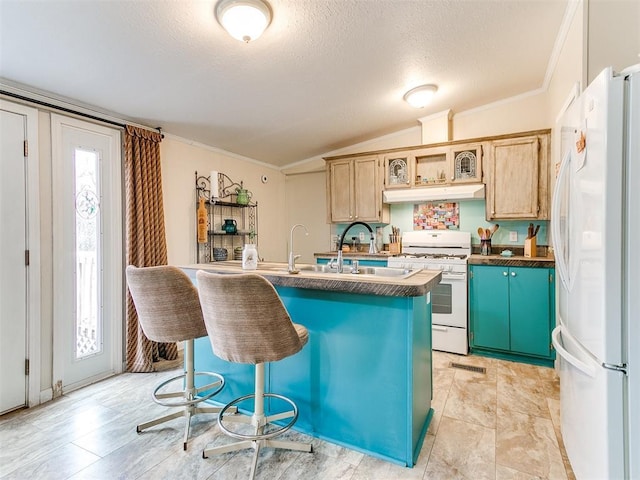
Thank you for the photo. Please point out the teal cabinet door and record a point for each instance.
(489, 307)
(530, 310)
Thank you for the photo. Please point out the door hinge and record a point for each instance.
(26, 258)
(550, 278)
(471, 336)
(26, 366)
(471, 274)
(551, 349)
(26, 148)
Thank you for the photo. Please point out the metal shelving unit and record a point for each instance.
(220, 209)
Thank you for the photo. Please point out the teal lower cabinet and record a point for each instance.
(512, 312)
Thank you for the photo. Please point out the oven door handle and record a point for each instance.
(438, 328)
(454, 276)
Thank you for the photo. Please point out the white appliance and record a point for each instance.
(596, 233)
(448, 251)
(415, 195)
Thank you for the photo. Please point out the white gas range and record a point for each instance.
(448, 251)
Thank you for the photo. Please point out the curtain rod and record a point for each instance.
(69, 110)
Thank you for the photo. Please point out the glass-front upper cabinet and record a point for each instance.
(397, 170)
(466, 163)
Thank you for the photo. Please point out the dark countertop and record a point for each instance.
(515, 261)
(415, 285)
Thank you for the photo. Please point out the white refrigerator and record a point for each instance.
(596, 236)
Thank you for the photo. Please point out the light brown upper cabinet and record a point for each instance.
(466, 163)
(397, 170)
(354, 190)
(517, 178)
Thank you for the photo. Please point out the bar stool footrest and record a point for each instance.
(257, 436)
(188, 397)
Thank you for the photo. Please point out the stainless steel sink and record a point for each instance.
(373, 271)
(347, 270)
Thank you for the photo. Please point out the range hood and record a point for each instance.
(430, 194)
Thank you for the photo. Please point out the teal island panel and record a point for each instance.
(364, 380)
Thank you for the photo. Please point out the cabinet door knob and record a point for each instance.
(505, 273)
(513, 274)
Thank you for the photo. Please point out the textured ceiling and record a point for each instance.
(325, 74)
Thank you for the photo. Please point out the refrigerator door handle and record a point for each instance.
(559, 246)
(557, 344)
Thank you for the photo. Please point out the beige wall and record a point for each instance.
(180, 160)
(518, 114)
(613, 35)
(307, 204)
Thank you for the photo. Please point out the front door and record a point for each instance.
(87, 269)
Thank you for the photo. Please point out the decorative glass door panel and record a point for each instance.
(88, 320)
(397, 170)
(467, 164)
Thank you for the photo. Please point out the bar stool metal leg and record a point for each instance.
(187, 398)
(259, 421)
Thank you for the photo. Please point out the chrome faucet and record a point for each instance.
(372, 243)
(292, 258)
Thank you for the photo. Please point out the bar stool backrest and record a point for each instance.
(167, 303)
(246, 319)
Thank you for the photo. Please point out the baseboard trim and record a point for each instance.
(45, 396)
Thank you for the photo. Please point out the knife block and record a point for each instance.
(530, 247)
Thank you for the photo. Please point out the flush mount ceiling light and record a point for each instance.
(420, 96)
(245, 20)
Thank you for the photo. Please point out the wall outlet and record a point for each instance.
(361, 236)
(513, 236)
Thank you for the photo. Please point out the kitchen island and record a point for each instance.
(364, 380)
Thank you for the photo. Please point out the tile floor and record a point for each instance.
(502, 424)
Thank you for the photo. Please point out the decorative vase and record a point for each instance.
(243, 196)
(230, 226)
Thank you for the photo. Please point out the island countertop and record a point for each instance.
(414, 285)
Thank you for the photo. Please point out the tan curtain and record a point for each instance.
(145, 236)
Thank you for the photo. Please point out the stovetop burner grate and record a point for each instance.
(440, 255)
(436, 256)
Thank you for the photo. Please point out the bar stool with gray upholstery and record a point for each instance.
(169, 311)
(248, 323)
